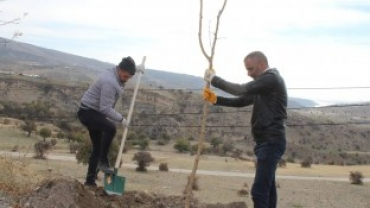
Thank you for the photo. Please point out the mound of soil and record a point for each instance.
(69, 193)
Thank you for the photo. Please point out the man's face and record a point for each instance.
(254, 67)
(124, 76)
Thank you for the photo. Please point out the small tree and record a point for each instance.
(41, 149)
(143, 160)
(356, 177)
(182, 145)
(45, 133)
(28, 127)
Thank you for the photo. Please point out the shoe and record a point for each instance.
(91, 184)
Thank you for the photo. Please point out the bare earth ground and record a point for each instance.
(164, 189)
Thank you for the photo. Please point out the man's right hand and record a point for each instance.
(124, 122)
(209, 74)
(209, 96)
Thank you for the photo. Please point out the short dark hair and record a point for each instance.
(128, 64)
(257, 55)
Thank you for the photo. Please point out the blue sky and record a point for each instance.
(317, 43)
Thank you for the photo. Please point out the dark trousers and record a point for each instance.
(102, 132)
(263, 191)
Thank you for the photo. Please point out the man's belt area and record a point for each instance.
(85, 107)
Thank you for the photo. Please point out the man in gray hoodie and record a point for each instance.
(97, 114)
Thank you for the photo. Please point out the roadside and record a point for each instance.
(200, 172)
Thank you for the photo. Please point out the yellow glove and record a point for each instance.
(209, 96)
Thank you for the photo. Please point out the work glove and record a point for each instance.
(124, 122)
(140, 68)
(209, 74)
(209, 96)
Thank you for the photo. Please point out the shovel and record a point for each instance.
(114, 184)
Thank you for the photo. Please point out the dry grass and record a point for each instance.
(10, 137)
(225, 189)
(185, 161)
(15, 176)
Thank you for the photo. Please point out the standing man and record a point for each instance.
(97, 114)
(268, 95)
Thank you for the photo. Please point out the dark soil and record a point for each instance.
(69, 193)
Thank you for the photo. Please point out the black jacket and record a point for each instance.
(268, 95)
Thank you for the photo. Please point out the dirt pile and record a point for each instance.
(69, 193)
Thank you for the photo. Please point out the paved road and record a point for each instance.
(200, 172)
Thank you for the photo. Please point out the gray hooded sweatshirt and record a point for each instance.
(103, 94)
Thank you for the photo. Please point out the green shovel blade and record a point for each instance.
(114, 184)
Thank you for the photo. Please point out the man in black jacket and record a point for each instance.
(267, 93)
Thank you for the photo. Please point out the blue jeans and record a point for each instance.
(263, 191)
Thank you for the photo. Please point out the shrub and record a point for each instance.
(74, 147)
(228, 146)
(249, 153)
(60, 135)
(237, 153)
(356, 177)
(216, 141)
(6, 121)
(306, 163)
(290, 160)
(53, 142)
(182, 145)
(282, 163)
(162, 142)
(15, 148)
(41, 149)
(143, 160)
(243, 192)
(163, 167)
(142, 143)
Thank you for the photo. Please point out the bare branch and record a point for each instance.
(14, 21)
(216, 34)
(200, 32)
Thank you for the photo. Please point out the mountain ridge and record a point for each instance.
(27, 58)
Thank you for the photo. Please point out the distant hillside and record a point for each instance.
(173, 80)
(25, 58)
(299, 103)
(16, 52)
